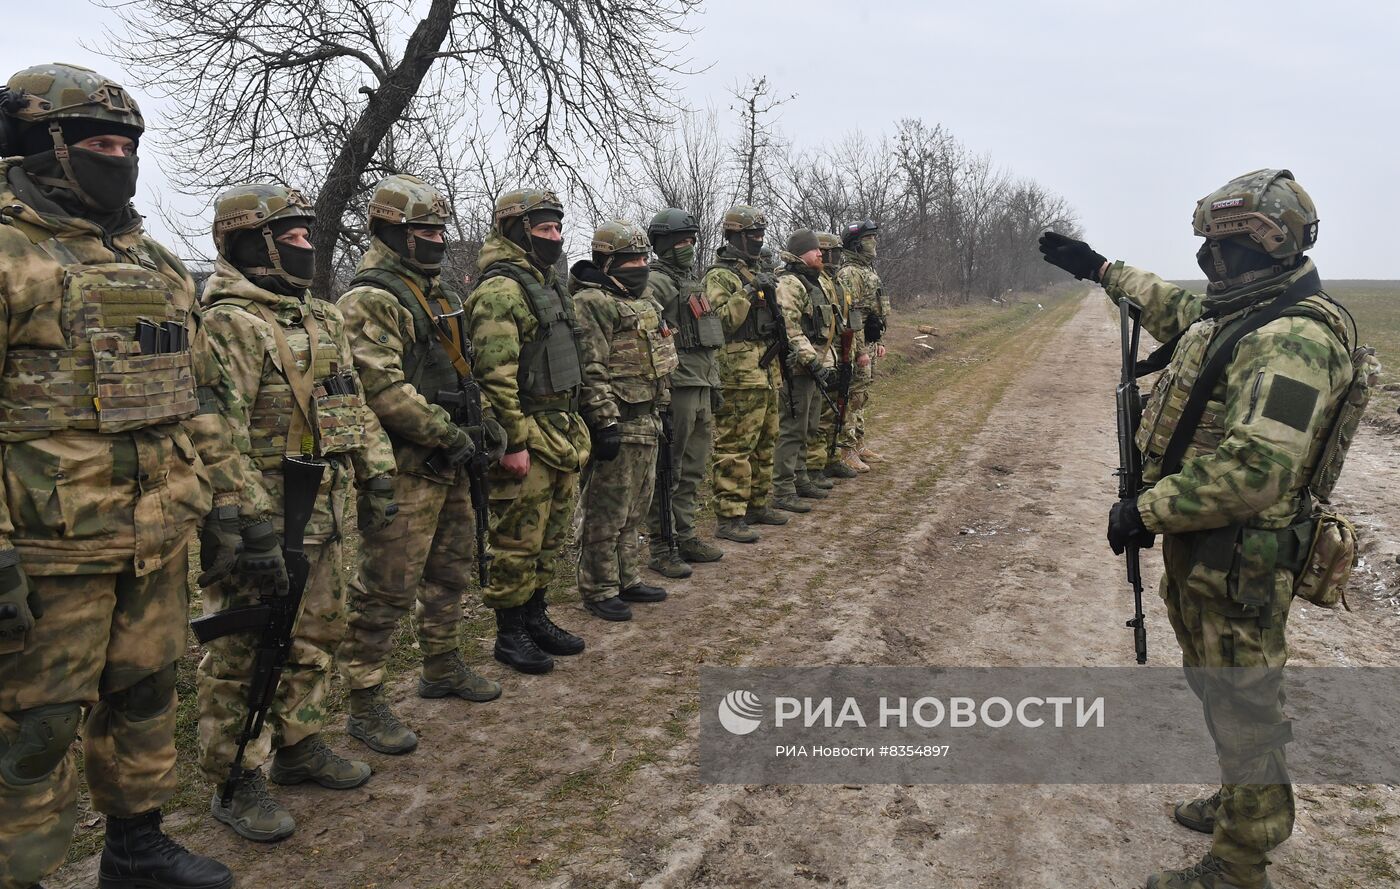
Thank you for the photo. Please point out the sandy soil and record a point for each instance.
(980, 552)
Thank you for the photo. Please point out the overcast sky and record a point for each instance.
(1131, 110)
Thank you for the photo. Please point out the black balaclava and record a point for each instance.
(248, 252)
(632, 280)
(542, 252)
(681, 257)
(747, 243)
(100, 186)
(1231, 263)
(419, 254)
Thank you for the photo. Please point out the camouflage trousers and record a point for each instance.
(691, 421)
(746, 435)
(107, 642)
(799, 419)
(615, 500)
(1243, 707)
(529, 519)
(820, 439)
(859, 400)
(299, 709)
(424, 560)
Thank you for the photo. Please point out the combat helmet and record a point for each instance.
(854, 232)
(48, 95)
(264, 208)
(618, 240)
(1266, 208)
(743, 218)
(672, 221)
(831, 249)
(524, 201)
(402, 199)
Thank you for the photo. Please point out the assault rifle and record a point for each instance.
(275, 615)
(845, 372)
(464, 406)
(780, 348)
(1129, 473)
(666, 481)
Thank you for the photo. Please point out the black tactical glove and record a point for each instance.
(825, 377)
(261, 561)
(374, 504)
(874, 327)
(716, 399)
(607, 442)
(1075, 257)
(19, 602)
(459, 451)
(1125, 528)
(220, 542)
(494, 437)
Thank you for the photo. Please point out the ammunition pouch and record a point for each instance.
(551, 369)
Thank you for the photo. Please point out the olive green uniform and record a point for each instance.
(811, 322)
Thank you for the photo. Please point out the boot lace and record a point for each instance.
(254, 791)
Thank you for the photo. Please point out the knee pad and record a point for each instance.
(45, 733)
(148, 698)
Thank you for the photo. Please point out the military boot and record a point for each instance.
(818, 479)
(852, 460)
(373, 722)
(642, 592)
(867, 455)
(735, 529)
(612, 608)
(809, 491)
(514, 647)
(137, 855)
(446, 674)
(838, 469)
(669, 564)
(253, 813)
(310, 759)
(790, 503)
(695, 550)
(548, 635)
(765, 515)
(1213, 873)
(1199, 814)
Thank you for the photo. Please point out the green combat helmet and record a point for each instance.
(671, 222)
(1263, 212)
(265, 209)
(401, 199)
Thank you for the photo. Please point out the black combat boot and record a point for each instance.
(138, 856)
(612, 608)
(642, 592)
(514, 647)
(548, 635)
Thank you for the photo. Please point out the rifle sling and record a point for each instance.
(450, 344)
(1221, 351)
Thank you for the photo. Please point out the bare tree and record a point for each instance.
(328, 91)
(758, 144)
(688, 168)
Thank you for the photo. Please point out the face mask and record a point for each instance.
(866, 247)
(421, 255)
(546, 252)
(1229, 264)
(683, 256)
(110, 182)
(753, 245)
(248, 253)
(632, 279)
(298, 262)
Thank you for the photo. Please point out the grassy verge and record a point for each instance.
(1376, 307)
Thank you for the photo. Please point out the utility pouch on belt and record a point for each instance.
(1330, 558)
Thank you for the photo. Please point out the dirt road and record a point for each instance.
(979, 542)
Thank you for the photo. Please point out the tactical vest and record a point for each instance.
(818, 322)
(640, 355)
(551, 368)
(1173, 388)
(760, 324)
(697, 324)
(337, 403)
(426, 365)
(103, 379)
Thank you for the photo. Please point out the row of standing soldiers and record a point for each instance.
(133, 416)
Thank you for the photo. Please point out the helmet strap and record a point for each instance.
(69, 180)
(275, 258)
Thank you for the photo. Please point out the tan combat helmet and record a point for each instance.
(743, 218)
(830, 246)
(1266, 208)
(618, 240)
(256, 207)
(402, 199)
(522, 201)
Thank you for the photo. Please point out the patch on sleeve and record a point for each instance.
(1291, 403)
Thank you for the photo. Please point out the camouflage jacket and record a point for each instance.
(1266, 421)
(250, 371)
(737, 360)
(861, 285)
(798, 311)
(499, 321)
(76, 501)
(381, 333)
(667, 283)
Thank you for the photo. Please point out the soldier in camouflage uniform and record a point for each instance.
(694, 388)
(628, 356)
(101, 496)
(869, 315)
(822, 466)
(1235, 509)
(521, 322)
(406, 331)
(287, 386)
(811, 323)
(740, 289)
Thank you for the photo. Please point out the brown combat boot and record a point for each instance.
(851, 460)
(447, 674)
